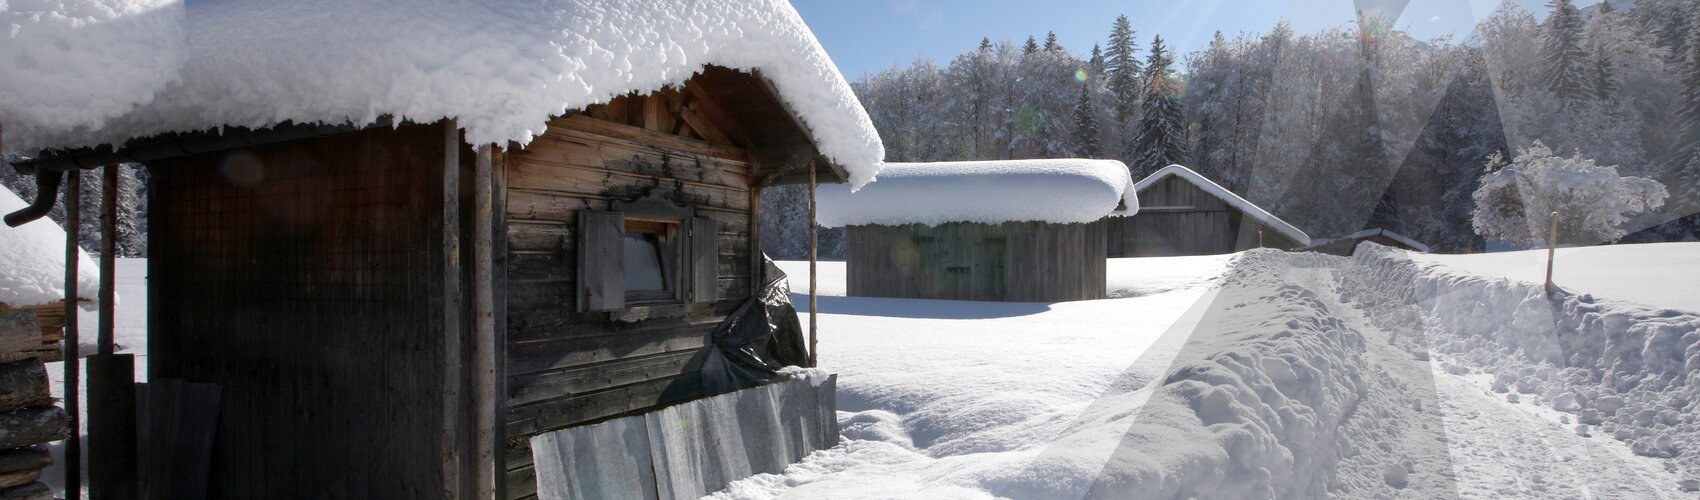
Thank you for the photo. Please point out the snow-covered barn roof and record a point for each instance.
(1058, 191)
(1234, 200)
(1367, 233)
(32, 261)
(92, 72)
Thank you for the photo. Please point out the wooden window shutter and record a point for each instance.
(705, 260)
(601, 275)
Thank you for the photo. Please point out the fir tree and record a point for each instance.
(1605, 79)
(1565, 61)
(1096, 64)
(1161, 139)
(1085, 137)
(1605, 8)
(1031, 47)
(1051, 44)
(985, 44)
(1121, 65)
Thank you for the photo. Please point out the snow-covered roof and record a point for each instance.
(1234, 200)
(32, 261)
(1059, 191)
(1407, 241)
(90, 72)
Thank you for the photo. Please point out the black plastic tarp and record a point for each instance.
(760, 337)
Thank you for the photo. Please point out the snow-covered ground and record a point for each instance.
(1268, 374)
(1659, 274)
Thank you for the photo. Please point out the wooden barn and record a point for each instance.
(1184, 213)
(394, 308)
(1017, 231)
(1348, 244)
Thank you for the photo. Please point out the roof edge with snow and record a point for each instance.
(1062, 191)
(1234, 200)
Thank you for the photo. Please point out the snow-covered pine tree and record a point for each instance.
(1051, 44)
(985, 43)
(1095, 65)
(1562, 54)
(1031, 47)
(1121, 65)
(1085, 134)
(1161, 134)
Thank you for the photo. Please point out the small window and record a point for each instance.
(648, 260)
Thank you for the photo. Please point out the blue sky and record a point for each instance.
(864, 36)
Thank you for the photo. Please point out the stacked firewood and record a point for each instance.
(28, 417)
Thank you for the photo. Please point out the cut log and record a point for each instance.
(19, 478)
(31, 491)
(19, 331)
(34, 425)
(23, 383)
(34, 457)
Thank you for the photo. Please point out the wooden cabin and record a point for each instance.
(1184, 213)
(1348, 244)
(330, 281)
(1016, 231)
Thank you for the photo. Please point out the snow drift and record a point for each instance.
(1631, 370)
(501, 69)
(991, 192)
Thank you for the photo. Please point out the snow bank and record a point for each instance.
(1209, 186)
(72, 65)
(32, 261)
(1631, 370)
(1663, 275)
(991, 192)
(500, 68)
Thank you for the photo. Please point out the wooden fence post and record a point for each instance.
(814, 244)
(1552, 245)
(73, 377)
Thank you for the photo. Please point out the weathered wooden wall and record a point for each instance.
(1177, 218)
(305, 278)
(1012, 261)
(567, 367)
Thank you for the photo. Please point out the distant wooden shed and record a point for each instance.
(1346, 245)
(1184, 213)
(1020, 231)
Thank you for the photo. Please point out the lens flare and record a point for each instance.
(1080, 75)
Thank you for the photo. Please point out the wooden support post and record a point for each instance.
(757, 265)
(73, 376)
(454, 328)
(814, 244)
(1552, 249)
(111, 376)
(484, 326)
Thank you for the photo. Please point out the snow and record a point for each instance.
(1259, 375)
(32, 261)
(1232, 199)
(1058, 191)
(72, 65)
(1664, 275)
(500, 69)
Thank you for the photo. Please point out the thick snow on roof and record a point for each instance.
(32, 261)
(71, 65)
(1059, 191)
(1268, 219)
(501, 68)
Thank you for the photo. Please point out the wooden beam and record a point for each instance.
(717, 114)
(814, 244)
(111, 377)
(73, 376)
(454, 329)
(484, 326)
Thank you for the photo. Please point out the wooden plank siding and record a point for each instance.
(306, 278)
(1012, 261)
(1178, 218)
(566, 367)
